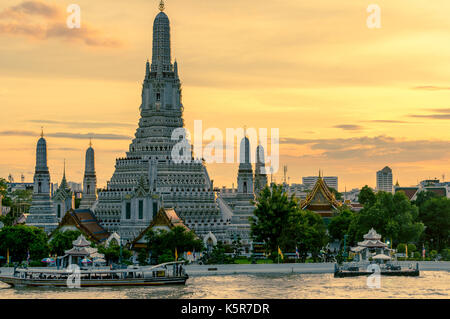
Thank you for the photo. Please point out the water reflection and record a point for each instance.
(430, 284)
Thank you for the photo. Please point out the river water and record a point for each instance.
(430, 284)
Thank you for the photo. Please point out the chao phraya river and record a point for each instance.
(434, 283)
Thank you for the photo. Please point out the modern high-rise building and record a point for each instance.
(384, 180)
(310, 181)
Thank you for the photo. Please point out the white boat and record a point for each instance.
(170, 273)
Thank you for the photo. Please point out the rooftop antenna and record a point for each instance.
(22, 178)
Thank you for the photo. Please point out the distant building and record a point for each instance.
(310, 181)
(19, 186)
(75, 187)
(384, 180)
(300, 191)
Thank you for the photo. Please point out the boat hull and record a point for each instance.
(13, 281)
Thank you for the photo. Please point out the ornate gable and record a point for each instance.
(320, 198)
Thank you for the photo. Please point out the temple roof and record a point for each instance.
(372, 235)
(165, 217)
(411, 192)
(81, 242)
(320, 198)
(86, 222)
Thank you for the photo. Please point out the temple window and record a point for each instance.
(128, 210)
(141, 209)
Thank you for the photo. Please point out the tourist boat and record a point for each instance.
(132, 276)
(363, 269)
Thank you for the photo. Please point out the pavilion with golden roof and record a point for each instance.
(321, 200)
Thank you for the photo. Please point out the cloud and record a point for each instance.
(18, 133)
(85, 124)
(431, 88)
(30, 8)
(386, 121)
(68, 135)
(369, 149)
(44, 21)
(442, 110)
(349, 127)
(433, 116)
(443, 114)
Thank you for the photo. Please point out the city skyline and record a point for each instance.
(347, 114)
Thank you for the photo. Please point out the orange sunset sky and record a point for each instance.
(347, 99)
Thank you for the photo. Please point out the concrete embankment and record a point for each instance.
(309, 268)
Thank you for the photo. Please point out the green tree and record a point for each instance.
(20, 239)
(366, 196)
(142, 256)
(6, 200)
(62, 241)
(161, 241)
(392, 216)
(112, 252)
(423, 197)
(306, 231)
(217, 255)
(435, 214)
(340, 224)
(271, 215)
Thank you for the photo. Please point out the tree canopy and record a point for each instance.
(392, 216)
(20, 239)
(161, 242)
(279, 222)
(435, 214)
(273, 208)
(62, 241)
(339, 224)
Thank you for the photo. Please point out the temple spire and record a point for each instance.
(42, 131)
(161, 6)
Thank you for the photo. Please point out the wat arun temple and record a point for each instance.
(148, 178)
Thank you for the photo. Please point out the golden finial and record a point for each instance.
(90, 142)
(161, 6)
(42, 131)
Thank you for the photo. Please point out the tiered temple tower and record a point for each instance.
(89, 196)
(64, 198)
(41, 212)
(148, 177)
(260, 171)
(241, 202)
